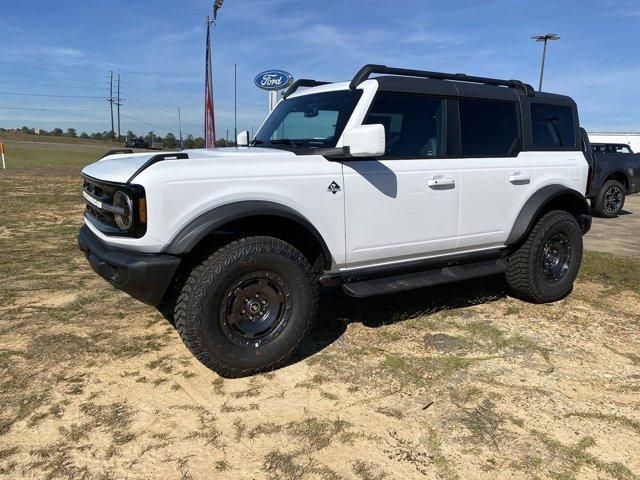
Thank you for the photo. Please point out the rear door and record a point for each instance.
(496, 177)
(405, 204)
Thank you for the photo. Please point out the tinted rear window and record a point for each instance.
(553, 126)
(489, 128)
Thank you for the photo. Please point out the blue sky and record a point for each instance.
(158, 48)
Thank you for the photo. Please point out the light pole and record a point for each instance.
(545, 39)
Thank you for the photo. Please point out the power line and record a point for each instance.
(49, 85)
(146, 123)
(49, 95)
(67, 79)
(52, 109)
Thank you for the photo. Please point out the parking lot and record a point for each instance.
(455, 382)
(620, 236)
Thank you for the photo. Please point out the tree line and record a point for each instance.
(169, 141)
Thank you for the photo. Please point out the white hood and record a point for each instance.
(120, 168)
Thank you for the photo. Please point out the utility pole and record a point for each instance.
(111, 104)
(180, 130)
(235, 99)
(544, 39)
(118, 104)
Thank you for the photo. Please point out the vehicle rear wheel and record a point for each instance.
(545, 266)
(247, 307)
(610, 200)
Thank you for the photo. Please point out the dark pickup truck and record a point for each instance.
(614, 174)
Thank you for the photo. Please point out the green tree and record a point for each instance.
(84, 135)
(57, 132)
(170, 141)
(71, 133)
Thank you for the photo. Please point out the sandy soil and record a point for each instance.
(456, 382)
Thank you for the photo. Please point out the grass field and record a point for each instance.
(455, 382)
(24, 151)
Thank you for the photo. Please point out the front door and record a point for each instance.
(405, 205)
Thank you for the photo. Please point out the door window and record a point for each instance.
(489, 128)
(414, 125)
(553, 126)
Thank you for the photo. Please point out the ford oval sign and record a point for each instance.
(273, 80)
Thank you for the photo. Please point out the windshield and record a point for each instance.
(309, 121)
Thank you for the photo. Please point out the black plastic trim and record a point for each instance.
(206, 223)
(536, 203)
(416, 266)
(144, 276)
(429, 278)
(117, 151)
(303, 82)
(158, 158)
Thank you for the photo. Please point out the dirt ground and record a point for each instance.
(619, 235)
(457, 382)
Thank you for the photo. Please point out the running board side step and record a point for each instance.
(411, 281)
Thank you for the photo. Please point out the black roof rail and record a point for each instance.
(303, 82)
(366, 71)
(116, 151)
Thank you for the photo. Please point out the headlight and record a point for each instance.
(124, 220)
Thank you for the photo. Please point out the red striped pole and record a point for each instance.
(4, 167)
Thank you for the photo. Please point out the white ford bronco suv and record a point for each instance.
(387, 183)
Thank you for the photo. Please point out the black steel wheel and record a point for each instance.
(248, 306)
(610, 200)
(556, 257)
(257, 309)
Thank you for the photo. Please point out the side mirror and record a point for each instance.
(243, 139)
(365, 141)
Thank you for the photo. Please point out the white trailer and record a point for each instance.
(628, 138)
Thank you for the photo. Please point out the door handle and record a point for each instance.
(519, 177)
(441, 182)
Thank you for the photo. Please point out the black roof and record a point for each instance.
(404, 80)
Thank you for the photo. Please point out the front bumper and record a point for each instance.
(144, 276)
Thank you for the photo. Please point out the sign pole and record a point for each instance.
(4, 167)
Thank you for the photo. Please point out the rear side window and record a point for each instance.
(553, 126)
(489, 128)
(414, 125)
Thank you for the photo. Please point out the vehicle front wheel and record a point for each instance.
(247, 307)
(545, 266)
(610, 200)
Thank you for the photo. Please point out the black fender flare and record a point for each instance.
(619, 171)
(536, 204)
(206, 223)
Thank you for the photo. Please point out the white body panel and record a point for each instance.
(392, 212)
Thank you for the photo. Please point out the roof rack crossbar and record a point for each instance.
(303, 82)
(366, 71)
(116, 151)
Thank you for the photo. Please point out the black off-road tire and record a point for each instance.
(529, 277)
(211, 291)
(610, 199)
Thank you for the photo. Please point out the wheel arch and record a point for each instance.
(551, 197)
(620, 176)
(255, 217)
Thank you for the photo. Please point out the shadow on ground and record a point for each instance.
(338, 310)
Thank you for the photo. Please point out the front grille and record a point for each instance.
(100, 210)
(103, 193)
